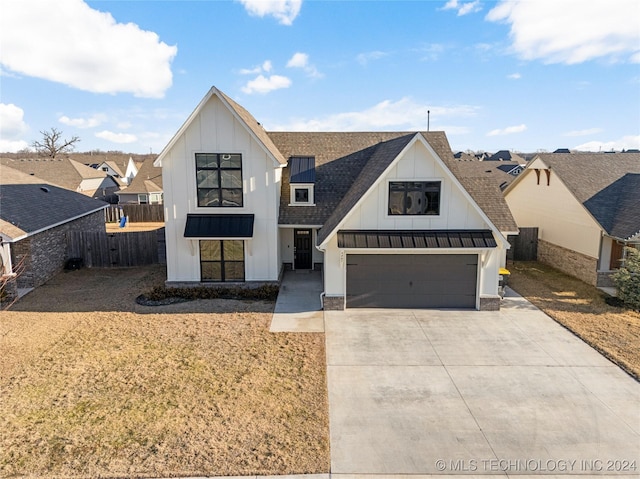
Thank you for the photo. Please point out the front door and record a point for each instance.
(302, 249)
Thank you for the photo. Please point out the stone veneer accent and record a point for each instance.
(490, 303)
(334, 303)
(43, 255)
(575, 264)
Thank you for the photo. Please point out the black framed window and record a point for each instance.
(219, 179)
(414, 198)
(302, 195)
(221, 261)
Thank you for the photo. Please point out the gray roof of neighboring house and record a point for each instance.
(505, 155)
(30, 204)
(492, 171)
(148, 180)
(64, 172)
(345, 170)
(607, 184)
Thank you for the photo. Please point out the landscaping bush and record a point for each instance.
(627, 279)
(162, 294)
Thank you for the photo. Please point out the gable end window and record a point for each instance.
(219, 179)
(414, 198)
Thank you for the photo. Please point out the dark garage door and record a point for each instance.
(411, 281)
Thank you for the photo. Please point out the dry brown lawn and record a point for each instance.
(95, 385)
(581, 308)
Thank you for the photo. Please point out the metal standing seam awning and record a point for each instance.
(219, 226)
(417, 239)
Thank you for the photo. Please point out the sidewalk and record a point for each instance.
(298, 307)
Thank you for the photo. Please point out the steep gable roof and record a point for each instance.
(255, 129)
(30, 204)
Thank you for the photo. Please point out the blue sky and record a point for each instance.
(521, 75)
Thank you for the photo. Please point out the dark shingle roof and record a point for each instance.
(342, 157)
(27, 206)
(606, 184)
(378, 158)
(617, 207)
(505, 155)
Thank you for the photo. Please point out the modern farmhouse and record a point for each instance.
(386, 216)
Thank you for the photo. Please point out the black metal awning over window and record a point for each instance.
(416, 239)
(219, 226)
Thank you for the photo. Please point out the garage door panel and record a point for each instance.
(411, 281)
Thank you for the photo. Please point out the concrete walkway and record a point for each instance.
(298, 307)
(468, 392)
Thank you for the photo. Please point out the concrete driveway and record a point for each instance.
(466, 392)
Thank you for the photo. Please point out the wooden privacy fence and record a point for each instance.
(135, 213)
(524, 247)
(98, 249)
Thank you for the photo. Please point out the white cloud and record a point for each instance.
(285, 11)
(262, 84)
(301, 60)
(90, 122)
(266, 67)
(571, 31)
(117, 137)
(298, 60)
(624, 143)
(364, 58)
(463, 7)
(589, 131)
(514, 76)
(12, 128)
(404, 114)
(510, 130)
(92, 53)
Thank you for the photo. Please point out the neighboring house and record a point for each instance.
(462, 156)
(124, 172)
(501, 173)
(383, 214)
(505, 155)
(586, 206)
(67, 173)
(511, 167)
(35, 217)
(145, 188)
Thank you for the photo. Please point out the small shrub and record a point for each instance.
(267, 292)
(627, 279)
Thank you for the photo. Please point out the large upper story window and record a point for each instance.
(219, 178)
(414, 198)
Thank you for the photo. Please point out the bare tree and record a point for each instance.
(52, 143)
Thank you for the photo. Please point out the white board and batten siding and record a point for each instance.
(456, 212)
(215, 129)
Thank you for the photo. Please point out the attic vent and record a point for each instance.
(45, 189)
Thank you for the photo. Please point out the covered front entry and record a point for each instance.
(411, 280)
